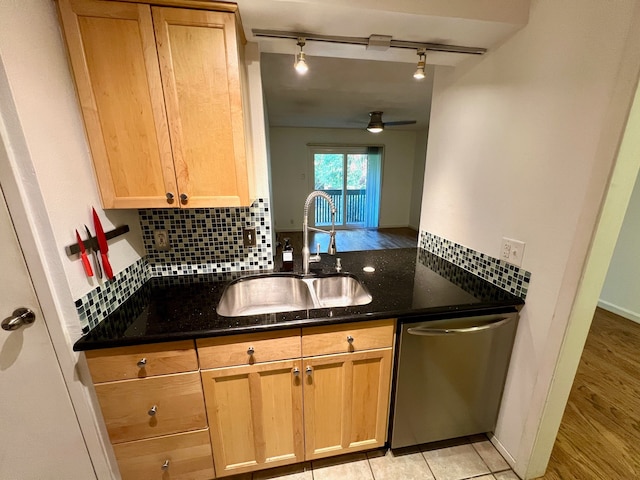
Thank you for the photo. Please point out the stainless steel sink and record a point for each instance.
(265, 294)
(339, 291)
(286, 293)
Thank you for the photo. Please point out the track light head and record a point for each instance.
(422, 60)
(301, 62)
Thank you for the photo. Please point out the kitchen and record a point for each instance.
(523, 84)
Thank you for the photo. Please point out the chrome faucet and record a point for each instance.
(306, 255)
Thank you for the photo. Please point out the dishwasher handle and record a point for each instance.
(427, 331)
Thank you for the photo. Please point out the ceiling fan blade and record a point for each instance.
(400, 122)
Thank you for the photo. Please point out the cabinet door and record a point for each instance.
(255, 416)
(198, 55)
(346, 402)
(115, 65)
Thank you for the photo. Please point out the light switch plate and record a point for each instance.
(249, 237)
(512, 251)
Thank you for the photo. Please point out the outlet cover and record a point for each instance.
(161, 240)
(512, 251)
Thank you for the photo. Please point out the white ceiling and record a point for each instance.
(345, 82)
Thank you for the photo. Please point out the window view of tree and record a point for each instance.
(343, 176)
(329, 172)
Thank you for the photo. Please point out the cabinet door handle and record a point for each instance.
(349, 339)
(142, 363)
(250, 351)
(296, 371)
(153, 410)
(309, 370)
(170, 197)
(165, 465)
(184, 198)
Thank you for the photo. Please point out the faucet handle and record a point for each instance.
(338, 265)
(318, 249)
(332, 243)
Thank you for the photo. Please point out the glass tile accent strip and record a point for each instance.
(508, 277)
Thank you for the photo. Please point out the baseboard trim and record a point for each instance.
(623, 312)
(503, 451)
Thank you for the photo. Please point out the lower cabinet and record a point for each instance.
(255, 415)
(341, 374)
(346, 402)
(241, 403)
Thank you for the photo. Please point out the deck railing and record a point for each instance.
(355, 207)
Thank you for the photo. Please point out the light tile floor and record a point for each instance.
(461, 459)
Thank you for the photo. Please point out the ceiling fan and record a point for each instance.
(376, 125)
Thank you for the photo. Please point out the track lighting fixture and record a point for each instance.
(422, 58)
(301, 63)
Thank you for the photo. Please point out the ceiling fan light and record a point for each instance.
(375, 123)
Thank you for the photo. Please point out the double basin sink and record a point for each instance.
(272, 293)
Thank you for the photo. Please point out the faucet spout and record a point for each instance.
(306, 255)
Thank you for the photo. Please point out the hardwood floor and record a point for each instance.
(355, 239)
(599, 437)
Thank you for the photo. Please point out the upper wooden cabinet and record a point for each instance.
(161, 98)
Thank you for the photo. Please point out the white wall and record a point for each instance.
(520, 145)
(418, 176)
(292, 172)
(620, 291)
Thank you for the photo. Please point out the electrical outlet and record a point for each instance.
(249, 237)
(161, 240)
(512, 251)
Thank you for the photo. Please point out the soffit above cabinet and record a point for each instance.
(460, 22)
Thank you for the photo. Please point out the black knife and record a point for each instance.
(96, 262)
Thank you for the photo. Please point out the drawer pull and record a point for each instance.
(349, 339)
(153, 410)
(296, 371)
(309, 370)
(142, 363)
(251, 351)
(165, 465)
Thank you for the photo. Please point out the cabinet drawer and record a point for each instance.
(248, 349)
(350, 337)
(140, 361)
(180, 456)
(128, 406)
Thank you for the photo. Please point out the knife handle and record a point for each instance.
(86, 264)
(106, 265)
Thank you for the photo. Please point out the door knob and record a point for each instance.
(184, 198)
(19, 317)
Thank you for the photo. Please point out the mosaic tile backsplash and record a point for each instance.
(208, 240)
(105, 298)
(509, 277)
(203, 240)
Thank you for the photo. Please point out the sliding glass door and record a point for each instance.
(351, 177)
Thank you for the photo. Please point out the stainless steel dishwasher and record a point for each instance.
(450, 377)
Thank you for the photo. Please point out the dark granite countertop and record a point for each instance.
(407, 282)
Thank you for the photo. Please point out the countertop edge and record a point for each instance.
(401, 315)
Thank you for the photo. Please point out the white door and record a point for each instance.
(40, 438)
